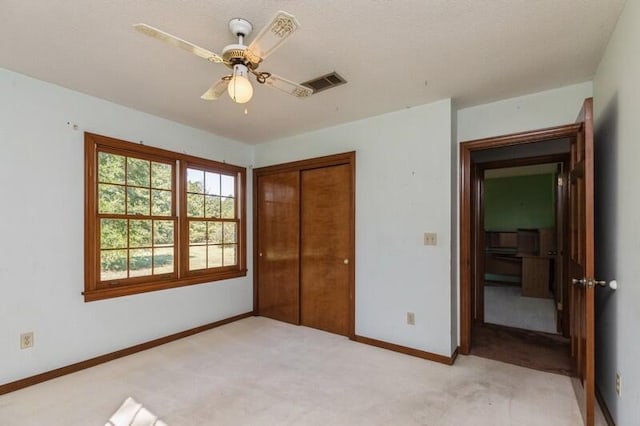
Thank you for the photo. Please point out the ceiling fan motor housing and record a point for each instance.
(234, 54)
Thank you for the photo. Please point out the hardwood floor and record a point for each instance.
(532, 349)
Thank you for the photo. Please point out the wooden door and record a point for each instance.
(326, 248)
(278, 246)
(581, 260)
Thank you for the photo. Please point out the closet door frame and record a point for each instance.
(347, 158)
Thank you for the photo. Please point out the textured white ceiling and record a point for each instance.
(393, 53)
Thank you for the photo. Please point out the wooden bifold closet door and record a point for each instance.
(304, 243)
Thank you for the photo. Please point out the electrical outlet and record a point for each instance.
(411, 318)
(430, 239)
(26, 340)
(618, 384)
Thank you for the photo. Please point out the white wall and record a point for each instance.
(530, 112)
(41, 229)
(617, 114)
(403, 190)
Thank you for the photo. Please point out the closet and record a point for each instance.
(304, 242)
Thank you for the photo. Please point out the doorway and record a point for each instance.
(519, 297)
(514, 304)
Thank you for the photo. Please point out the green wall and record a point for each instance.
(519, 202)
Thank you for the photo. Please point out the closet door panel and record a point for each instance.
(325, 248)
(279, 246)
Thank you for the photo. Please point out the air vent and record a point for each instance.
(325, 82)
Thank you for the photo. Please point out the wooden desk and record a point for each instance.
(535, 276)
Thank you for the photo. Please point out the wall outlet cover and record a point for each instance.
(430, 239)
(411, 318)
(26, 340)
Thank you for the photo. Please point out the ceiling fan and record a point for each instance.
(242, 59)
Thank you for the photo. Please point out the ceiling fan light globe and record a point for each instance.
(240, 89)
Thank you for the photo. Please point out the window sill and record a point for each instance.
(126, 290)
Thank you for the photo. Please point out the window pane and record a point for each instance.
(197, 232)
(229, 233)
(113, 233)
(110, 199)
(110, 168)
(113, 264)
(138, 201)
(212, 206)
(228, 208)
(229, 254)
(139, 262)
(163, 260)
(160, 175)
(140, 233)
(197, 257)
(228, 186)
(138, 172)
(215, 256)
(195, 205)
(163, 232)
(215, 233)
(213, 183)
(195, 181)
(160, 203)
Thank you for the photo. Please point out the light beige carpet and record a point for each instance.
(505, 305)
(263, 372)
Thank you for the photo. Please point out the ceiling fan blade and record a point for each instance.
(216, 90)
(273, 34)
(288, 86)
(178, 42)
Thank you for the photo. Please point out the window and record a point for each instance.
(212, 223)
(156, 219)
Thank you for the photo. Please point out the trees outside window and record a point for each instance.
(211, 216)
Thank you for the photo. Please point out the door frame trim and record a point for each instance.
(346, 158)
(467, 209)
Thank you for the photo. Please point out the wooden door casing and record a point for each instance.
(325, 248)
(278, 246)
(467, 255)
(562, 287)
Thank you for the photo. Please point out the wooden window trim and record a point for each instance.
(180, 277)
